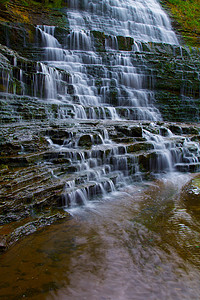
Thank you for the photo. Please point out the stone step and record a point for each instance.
(80, 194)
(192, 167)
(41, 173)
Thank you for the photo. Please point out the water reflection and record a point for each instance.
(141, 243)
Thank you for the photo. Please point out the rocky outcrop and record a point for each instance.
(190, 196)
(41, 163)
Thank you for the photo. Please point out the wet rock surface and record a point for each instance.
(171, 71)
(191, 196)
(40, 161)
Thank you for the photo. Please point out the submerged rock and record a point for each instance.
(191, 196)
(85, 141)
(29, 227)
(3, 243)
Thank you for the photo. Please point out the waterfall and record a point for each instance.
(110, 84)
(144, 20)
(94, 71)
(118, 86)
(123, 91)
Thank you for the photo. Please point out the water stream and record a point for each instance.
(142, 243)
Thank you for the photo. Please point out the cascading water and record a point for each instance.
(144, 20)
(113, 85)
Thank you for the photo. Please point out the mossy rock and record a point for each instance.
(125, 43)
(129, 131)
(164, 131)
(85, 141)
(144, 162)
(97, 139)
(99, 40)
(136, 131)
(190, 130)
(139, 147)
(175, 129)
(190, 196)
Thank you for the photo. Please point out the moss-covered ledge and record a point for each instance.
(190, 196)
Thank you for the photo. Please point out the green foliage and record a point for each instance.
(187, 14)
(37, 3)
(47, 3)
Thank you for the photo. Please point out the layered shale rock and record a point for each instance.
(44, 166)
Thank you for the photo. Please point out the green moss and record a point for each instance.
(36, 3)
(187, 15)
(99, 40)
(3, 167)
(125, 43)
(139, 147)
(196, 182)
(33, 12)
